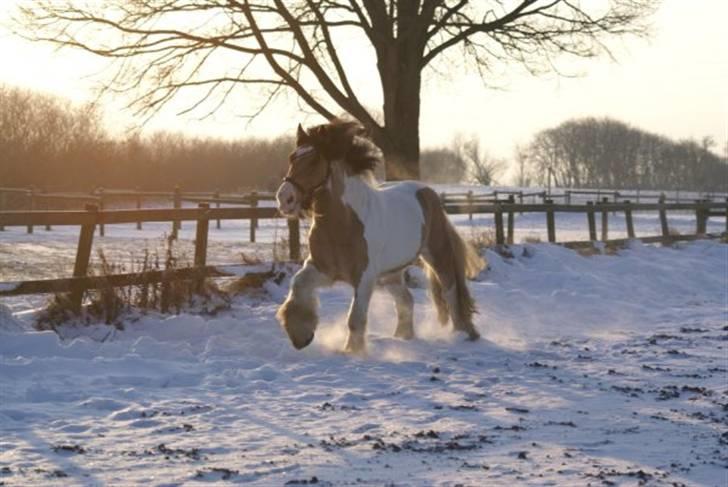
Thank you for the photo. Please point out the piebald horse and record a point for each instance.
(366, 236)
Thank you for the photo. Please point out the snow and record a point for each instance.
(609, 368)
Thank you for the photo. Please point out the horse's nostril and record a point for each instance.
(290, 200)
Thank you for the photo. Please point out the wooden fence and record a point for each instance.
(503, 212)
(92, 217)
(504, 231)
(32, 199)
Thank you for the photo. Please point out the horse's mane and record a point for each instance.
(347, 142)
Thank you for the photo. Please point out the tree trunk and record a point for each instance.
(401, 82)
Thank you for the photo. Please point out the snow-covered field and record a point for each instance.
(602, 370)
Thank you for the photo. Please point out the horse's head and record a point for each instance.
(311, 165)
(308, 172)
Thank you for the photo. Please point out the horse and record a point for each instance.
(367, 235)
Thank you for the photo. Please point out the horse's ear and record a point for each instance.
(301, 136)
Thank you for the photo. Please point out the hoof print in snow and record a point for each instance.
(631, 391)
(569, 424)
(516, 410)
(312, 481)
(327, 406)
(522, 455)
(192, 453)
(539, 365)
(464, 407)
(474, 466)
(668, 392)
(78, 449)
(215, 473)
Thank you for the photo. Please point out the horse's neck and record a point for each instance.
(333, 207)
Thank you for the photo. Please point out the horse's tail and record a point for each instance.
(449, 262)
(468, 265)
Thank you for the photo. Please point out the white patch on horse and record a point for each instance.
(392, 219)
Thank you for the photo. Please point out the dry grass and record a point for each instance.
(110, 304)
(481, 239)
(531, 239)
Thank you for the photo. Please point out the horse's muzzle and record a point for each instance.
(287, 199)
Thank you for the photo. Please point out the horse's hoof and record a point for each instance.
(473, 336)
(355, 345)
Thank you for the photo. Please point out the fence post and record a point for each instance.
(217, 205)
(568, 197)
(605, 219)
(31, 204)
(294, 239)
(509, 237)
(138, 206)
(663, 217)
(46, 207)
(701, 218)
(591, 218)
(203, 225)
(253, 219)
(83, 256)
(470, 205)
(177, 204)
(2, 208)
(499, 238)
(551, 221)
(628, 219)
(100, 195)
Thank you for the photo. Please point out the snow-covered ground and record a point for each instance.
(602, 370)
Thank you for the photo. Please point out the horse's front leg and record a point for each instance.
(298, 313)
(357, 320)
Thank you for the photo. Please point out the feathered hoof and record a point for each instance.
(355, 345)
(404, 332)
(473, 335)
(299, 322)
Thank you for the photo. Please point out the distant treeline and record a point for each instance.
(605, 153)
(52, 144)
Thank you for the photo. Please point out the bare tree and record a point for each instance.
(164, 48)
(483, 168)
(606, 153)
(521, 155)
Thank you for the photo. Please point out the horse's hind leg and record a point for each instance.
(453, 290)
(404, 303)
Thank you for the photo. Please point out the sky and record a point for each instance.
(675, 83)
